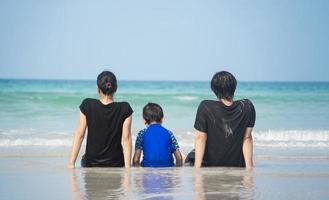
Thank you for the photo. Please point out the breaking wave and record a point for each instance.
(269, 138)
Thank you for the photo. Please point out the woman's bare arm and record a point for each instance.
(127, 141)
(78, 139)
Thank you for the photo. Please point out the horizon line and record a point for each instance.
(159, 80)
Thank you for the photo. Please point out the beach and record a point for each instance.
(41, 177)
(291, 143)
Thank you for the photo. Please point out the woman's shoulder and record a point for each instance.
(89, 100)
(123, 103)
(86, 105)
(125, 108)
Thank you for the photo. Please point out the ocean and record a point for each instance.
(291, 141)
(45, 112)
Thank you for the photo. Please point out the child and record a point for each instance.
(157, 143)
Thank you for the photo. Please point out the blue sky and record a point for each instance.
(273, 40)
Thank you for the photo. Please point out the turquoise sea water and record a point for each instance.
(291, 140)
(44, 112)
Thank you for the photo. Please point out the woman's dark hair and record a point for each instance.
(152, 112)
(107, 82)
(223, 84)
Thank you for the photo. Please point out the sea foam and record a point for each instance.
(292, 138)
(268, 138)
(186, 98)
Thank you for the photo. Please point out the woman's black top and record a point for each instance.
(104, 124)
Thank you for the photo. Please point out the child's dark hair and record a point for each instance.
(223, 84)
(107, 82)
(152, 112)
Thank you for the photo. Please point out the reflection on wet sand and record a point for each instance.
(152, 183)
(223, 184)
(156, 183)
(101, 183)
(75, 187)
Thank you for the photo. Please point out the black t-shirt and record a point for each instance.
(104, 123)
(225, 127)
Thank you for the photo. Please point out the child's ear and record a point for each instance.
(145, 122)
(162, 120)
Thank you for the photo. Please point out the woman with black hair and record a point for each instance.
(109, 128)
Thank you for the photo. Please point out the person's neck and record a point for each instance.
(106, 99)
(226, 102)
(153, 123)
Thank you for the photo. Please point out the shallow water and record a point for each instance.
(47, 178)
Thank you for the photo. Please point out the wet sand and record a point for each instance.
(46, 177)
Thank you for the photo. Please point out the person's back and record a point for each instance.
(224, 127)
(157, 147)
(104, 132)
(156, 142)
(108, 124)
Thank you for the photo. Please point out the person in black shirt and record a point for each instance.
(224, 127)
(109, 128)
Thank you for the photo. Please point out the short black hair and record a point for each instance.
(223, 84)
(107, 82)
(152, 112)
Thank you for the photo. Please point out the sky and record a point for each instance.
(272, 40)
